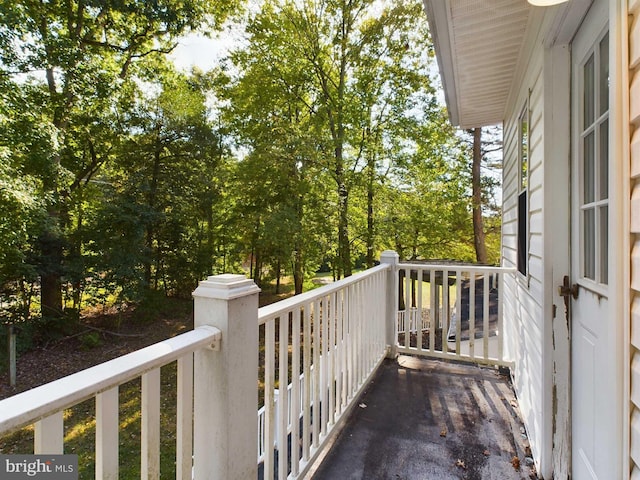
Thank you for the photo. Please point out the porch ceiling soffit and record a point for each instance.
(477, 43)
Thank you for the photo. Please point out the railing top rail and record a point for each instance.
(28, 407)
(453, 267)
(283, 306)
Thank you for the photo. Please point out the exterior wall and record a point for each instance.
(557, 73)
(523, 310)
(634, 106)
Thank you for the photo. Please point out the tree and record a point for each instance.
(88, 54)
(165, 182)
(351, 75)
(482, 187)
(478, 224)
(269, 108)
(21, 214)
(425, 201)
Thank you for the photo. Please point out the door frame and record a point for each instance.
(557, 254)
(618, 339)
(558, 158)
(619, 220)
(619, 215)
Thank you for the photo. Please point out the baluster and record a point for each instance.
(419, 323)
(407, 307)
(316, 374)
(500, 287)
(445, 311)
(150, 411)
(340, 375)
(324, 387)
(107, 435)
(458, 310)
(294, 407)
(49, 435)
(331, 319)
(283, 404)
(472, 315)
(184, 440)
(308, 394)
(485, 315)
(269, 397)
(433, 309)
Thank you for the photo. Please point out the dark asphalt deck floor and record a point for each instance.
(432, 420)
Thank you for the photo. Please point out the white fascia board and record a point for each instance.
(439, 18)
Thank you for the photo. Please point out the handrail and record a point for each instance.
(28, 407)
(284, 306)
(334, 336)
(452, 267)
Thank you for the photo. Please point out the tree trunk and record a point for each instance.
(344, 249)
(210, 248)
(51, 295)
(298, 272)
(257, 272)
(370, 220)
(478, 223)
(76, 254)
(151, 202)
(51, 277)
(298, 252)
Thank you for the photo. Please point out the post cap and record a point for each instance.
(389, 256)
(226, 286)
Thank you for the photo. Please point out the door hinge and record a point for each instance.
(567, 290)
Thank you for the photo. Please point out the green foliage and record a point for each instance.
(90, 340)
(70, 74)
(335, 105)
(320, 140)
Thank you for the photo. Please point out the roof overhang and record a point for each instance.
(478, 45)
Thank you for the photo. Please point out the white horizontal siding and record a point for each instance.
(535, 249)
(523, 296)
(635, 324)
(535, 213)
(634, 42)
(635, 154)
(635, 266)
(634, 99)
(510, 172)
(635, 375)
(535, 290)
(635, 436)
(535, 175)
(635, 209)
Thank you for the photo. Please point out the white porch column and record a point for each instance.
(226, 380)
(391, 335)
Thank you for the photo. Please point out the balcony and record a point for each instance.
(317, 359)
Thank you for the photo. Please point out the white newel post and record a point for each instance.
(391, 335)
(226, 380)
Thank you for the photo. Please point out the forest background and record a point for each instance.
(316, 143)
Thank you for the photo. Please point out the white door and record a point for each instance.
(592, 358)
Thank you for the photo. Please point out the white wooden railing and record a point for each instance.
(262, 448)
(452, 312)
(319, 351)
(44, 406)
(338, 327)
